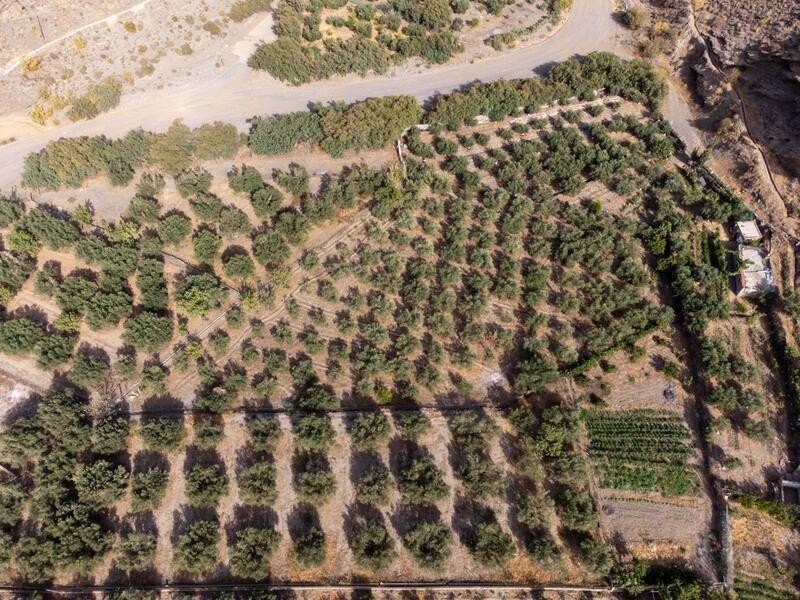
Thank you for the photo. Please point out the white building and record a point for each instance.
(756, 275)
(747, 231)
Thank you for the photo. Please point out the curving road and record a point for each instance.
(238, 93)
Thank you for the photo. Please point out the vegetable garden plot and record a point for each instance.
(642, 450)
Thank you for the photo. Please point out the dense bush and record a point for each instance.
(174, 228)
(373, 547)
(257, 484)
(429, 544)
(195, 550)
(309, 548)
(148, 331)
(193, 182)
(148, 489)
(314, 432)
(136, 552)
(205, 486)
(100, 483)
(374, 485)
(491, 546)
(19, 336)
(197, 295)
(421, 482)
(264, 432)
(111, 435)
(369, 430)
(162, 433)
(279, 134)
(249, 556)
(12, 501)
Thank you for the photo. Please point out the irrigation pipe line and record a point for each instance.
(396, 586)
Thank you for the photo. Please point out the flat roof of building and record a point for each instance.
(748, 230)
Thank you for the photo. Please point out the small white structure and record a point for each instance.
(747, 231)
(756, 276)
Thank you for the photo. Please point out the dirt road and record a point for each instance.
(238, 93)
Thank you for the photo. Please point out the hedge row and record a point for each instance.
(365, 125)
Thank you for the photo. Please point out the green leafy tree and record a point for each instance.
(270, 249)
(421, 482)
(111, 435)
(374, 485)
(148, 489)
(174, 150)
(196, 295)
(205, 486)
(373, 547)
(136, 552)
(491, 546)
(238, 266)
(309, 548)
(195, 550)
(12, 502)
(265, 431)
(101, 483)
(148, 331)
(257, 484)
(249, 556)
(162, 433)
(207, 245)
(174, 228)
(89, 369)
(19, 336)
(430, 545)
(314, 432)
(369, 430)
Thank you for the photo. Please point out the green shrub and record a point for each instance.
(206, 246)
(216, 141)
(265, 431)
(12, 502)
(88, 370)
(309, 548)
(257, 485)
(249, 556)
(205, 486)
(193, 182)
(101, 483)
(412, 425)
(148, 489)
(195, 550)
(209, 431)
(472, 431)
(374, 485)
(422, 482)
(279, 134)
(197, 295)
(162, 433)
(314, 482)
(491, 546)
(373, 547)
(148, 331)
(136, 552)
(111, 435)
(429, 545)
(19, 336)
(314, 432)
(370, 429)
(481, 478)
(174, 228)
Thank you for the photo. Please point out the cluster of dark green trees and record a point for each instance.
(69, 162)
(634, 80)
(399, 30)
(336, 128)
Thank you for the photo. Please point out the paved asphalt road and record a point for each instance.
(238, 93)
